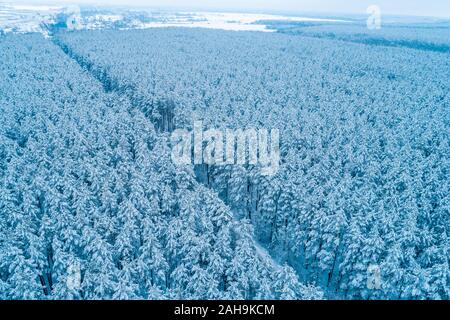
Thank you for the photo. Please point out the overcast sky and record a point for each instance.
(437, 8)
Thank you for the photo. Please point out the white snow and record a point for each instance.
(29, 18)
(26, 18)
(34, 7)
(226, 21)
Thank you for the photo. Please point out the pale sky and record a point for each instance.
(436, 8)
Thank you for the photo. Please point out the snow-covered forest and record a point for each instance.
(87, 178)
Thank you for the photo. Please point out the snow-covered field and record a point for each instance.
(26, 18)
(227, 21)
(36, 18)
